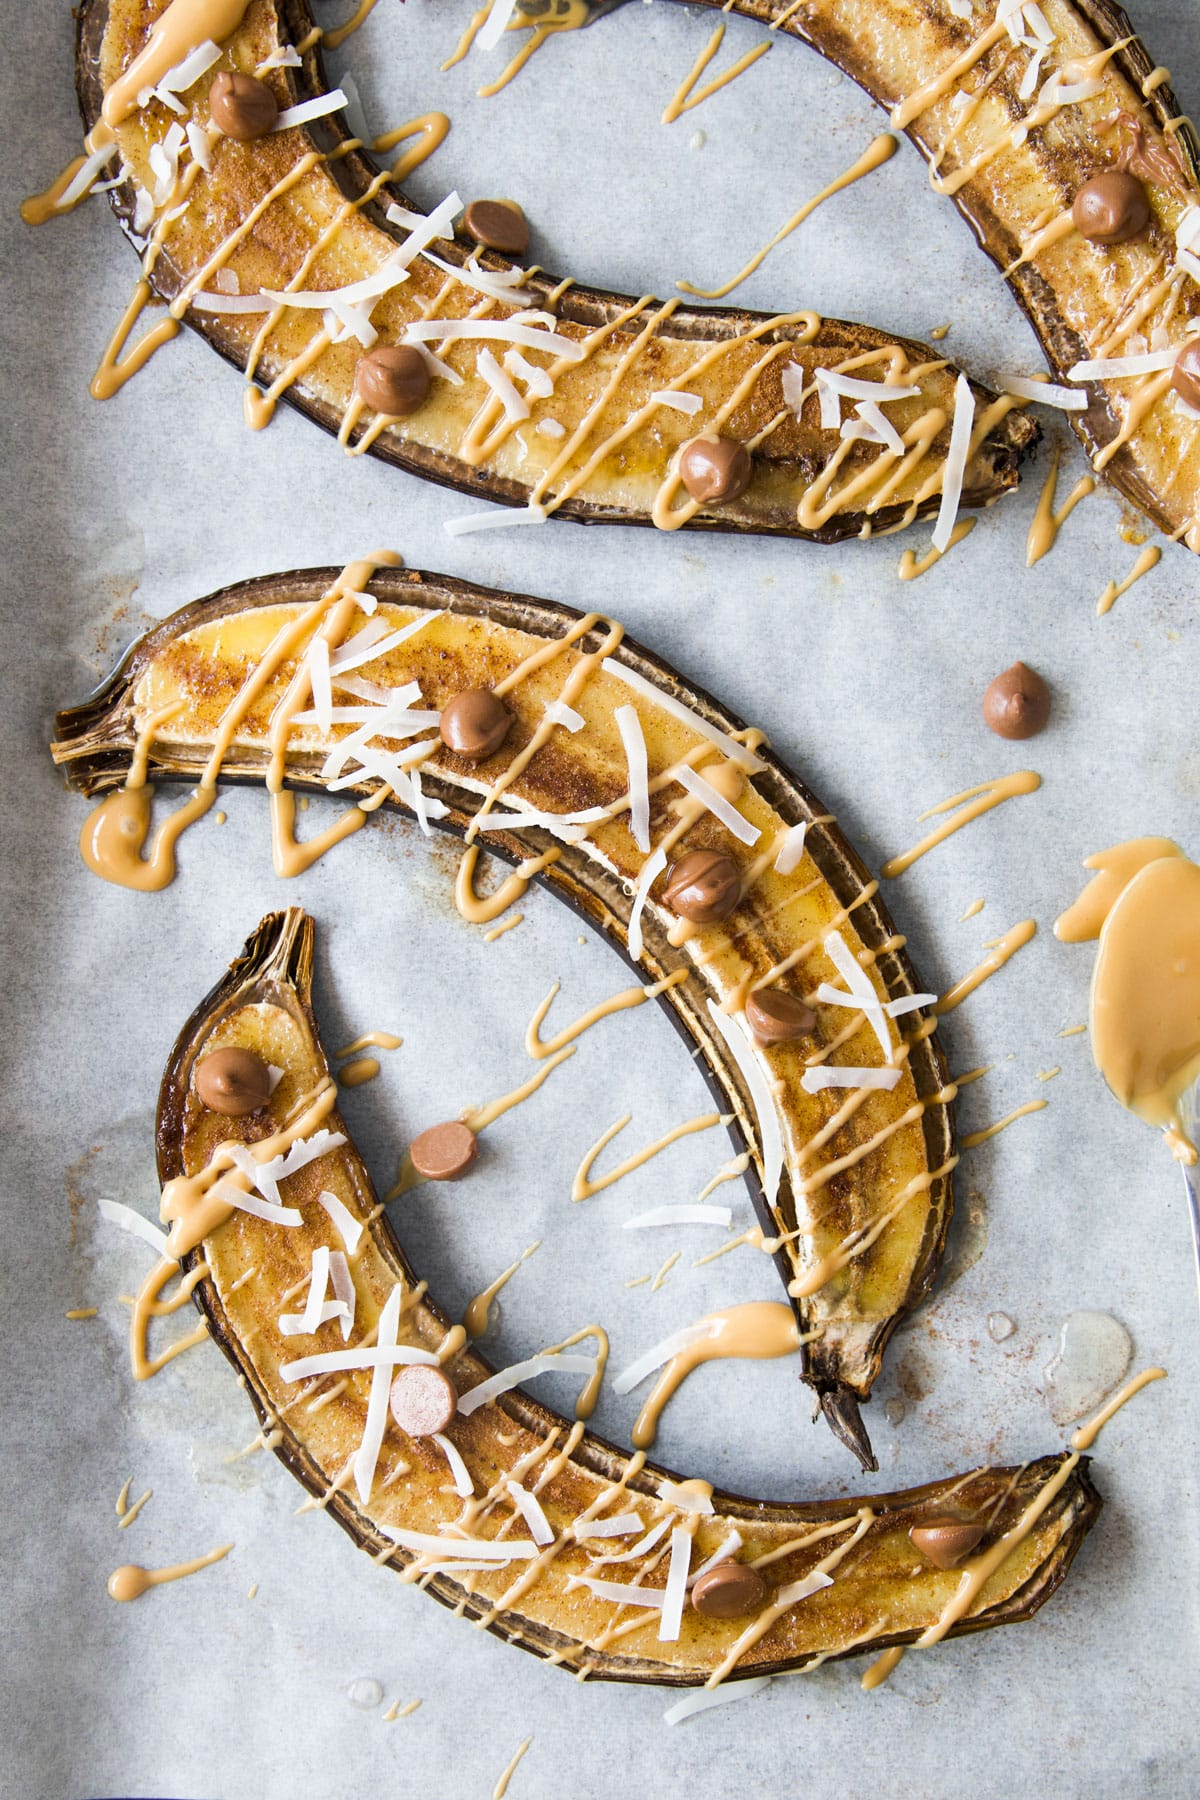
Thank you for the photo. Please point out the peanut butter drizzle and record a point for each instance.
(1001, 950)
(505, 925)
(1085, 1436)
(684, 99)
(978, 800)
(130, 1582)
(1145, 1006)
(583, 1187)
(501, 1787)
(468, 36)
(1046, 521)
(510, 890)
(1115, 868)
(126, 1513)
(938, 86)
(371, 1040)
(585, 1405)
(113, 373)
(362, 1069)
(476, 1317)
(762, 1329)
(478, 1118)
(336, 37)
(430, 129)
(881, 1668)
(148, 1305)
(39, 208)
(1149, 559)
(911, 565)
(880, 150)
(628, 997)
(990, 1131)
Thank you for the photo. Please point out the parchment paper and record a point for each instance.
(116, 514)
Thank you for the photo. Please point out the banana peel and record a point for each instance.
(860, 1215)
(882, 1594)
(615, 461)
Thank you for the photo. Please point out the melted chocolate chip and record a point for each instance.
(1017, 703)
(233, 1081)
(393, 379)
(422, 1400)
(714, 469)
(444, 1152)
(1111, 207)
(703, 886)
(1185, 376)
(497, 225)
(475, 724)
(242, 107)
(776, 1017)
(729, 1591)
(946, 1542)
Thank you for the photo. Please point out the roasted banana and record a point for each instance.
(522, 1540)
(642, 802)
(504, 383)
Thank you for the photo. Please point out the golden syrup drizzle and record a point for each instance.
(911, 565)
(973, 802)
(1002, 949)
(1047, 522)
(622, 1002)
(879, 151)
(761, 1330)
(1148, 559)
(990, 1131)
(1086, 1435)
(130, 1582)
(687, 95)
(475, 1319)
(583, 1187)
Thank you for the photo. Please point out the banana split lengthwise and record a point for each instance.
(546, 1535)
(286, 249)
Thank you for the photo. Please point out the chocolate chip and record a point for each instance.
(444, 1152)
(497, 225)
(703, 886)
(475, 724)
(233, 1081)
(714, 469)
(422, 1400)
(776, 1017)
(393, 379)
(242, 107)
(729, 1591)
(1185, 376)
(1111, 207)
(1017, 703)
(946, 1542)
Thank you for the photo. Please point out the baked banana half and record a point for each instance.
(549, 739)
(502, 382)
(1063, 147)
(515, 1517)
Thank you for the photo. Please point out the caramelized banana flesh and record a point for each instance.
(862, 1208)
(615, 459)
(882, 1592)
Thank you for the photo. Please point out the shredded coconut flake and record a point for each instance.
(339, 1362)
(651, 869)
(496, 23)
(702, 1699)
(770, 1136)
(1046, 393)
(516, 407)
(643, 1545)
(907, 1003)
(694, 1214)
(872, 422)
(367, 1455)
(675, 1592)
(495, 519)
(803, 1589)
(283, 56)
(678, 401)
(955, 468)
(792, 848)
(346, 1225)
(1114, 368)
(717, 804)
(484, 281)
(550, 428)
(522, 328)
(464, 1487)
(745, 759)
(862, 991)
(620, 1525)
(685, 1499)
(483, 1550)
(269, 1210)
(530, 1509)
(653, 1359)
(729, 1546)
(505, 1379)
(633, 742)
(343, 1288)
(230, 303)
(537, 381)
(310, 109)
(559, 713)
(620, 1593)
(134, 1223)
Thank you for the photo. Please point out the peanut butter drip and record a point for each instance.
(1085, 1436)
(762, 1329)
(477, 1316)
(973, 802)
(687, 95)
(130, 1582)
(1145, 1010)
(1000, 951)
(583, 1186)
(1047, 522)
